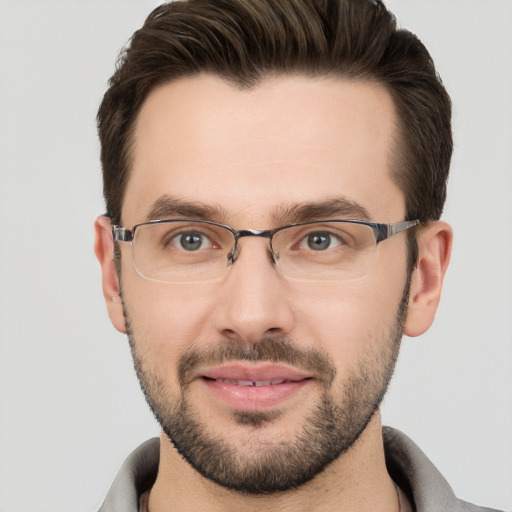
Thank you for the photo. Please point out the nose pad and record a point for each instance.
(274, 256)
(234, 254)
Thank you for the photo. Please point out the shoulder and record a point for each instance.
(469, 507)
(419, 478)
(135, 476)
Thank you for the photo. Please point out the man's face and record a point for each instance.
(320, 354)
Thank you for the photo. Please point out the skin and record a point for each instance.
(290, 140)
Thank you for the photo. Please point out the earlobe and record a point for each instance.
(434, 250)
(104, 250)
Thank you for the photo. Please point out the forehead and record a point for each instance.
(250, 152)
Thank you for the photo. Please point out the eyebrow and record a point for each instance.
(339, 207)
(167, 206)
(332, 208)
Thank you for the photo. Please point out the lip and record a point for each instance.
(254, 386)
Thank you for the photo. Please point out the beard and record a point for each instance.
(260, 465)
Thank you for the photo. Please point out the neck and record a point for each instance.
(357, 481)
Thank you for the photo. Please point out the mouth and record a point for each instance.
(254, 387)
(255, 383)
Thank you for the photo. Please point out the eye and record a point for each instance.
(191, 241)
(320, 241)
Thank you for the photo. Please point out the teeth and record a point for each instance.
(251, 382)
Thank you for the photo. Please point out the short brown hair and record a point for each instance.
(245, 41)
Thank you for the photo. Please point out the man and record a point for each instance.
(274, 173)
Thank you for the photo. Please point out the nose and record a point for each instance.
(255, 301)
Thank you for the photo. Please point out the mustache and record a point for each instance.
(274, 350)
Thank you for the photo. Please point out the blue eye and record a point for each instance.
(190, 241)
(320, 241)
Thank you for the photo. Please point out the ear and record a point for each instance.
(434, 250)
(104, 249)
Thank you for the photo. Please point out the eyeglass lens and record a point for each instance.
(184, 251)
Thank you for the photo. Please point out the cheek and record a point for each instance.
(351, 319)
(165, 319)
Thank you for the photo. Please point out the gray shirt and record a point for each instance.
(409, 467)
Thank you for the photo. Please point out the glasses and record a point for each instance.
(191, 251)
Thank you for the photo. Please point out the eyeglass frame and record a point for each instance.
(381, 231)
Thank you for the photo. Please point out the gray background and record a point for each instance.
(70, 407)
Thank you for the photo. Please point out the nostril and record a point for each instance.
(230, 334)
